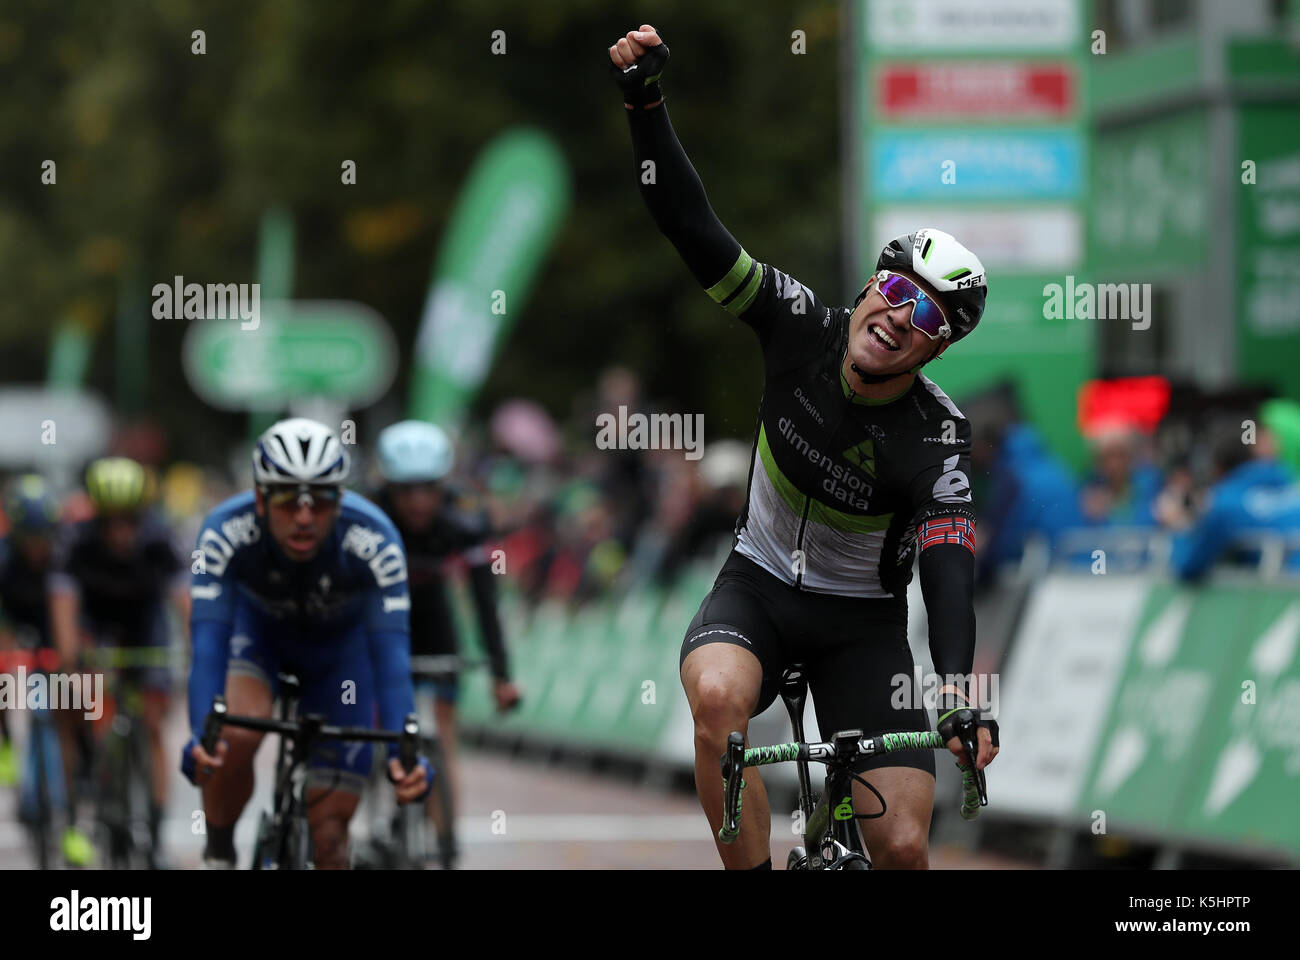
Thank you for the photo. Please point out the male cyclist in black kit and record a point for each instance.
(438, 522)
(859, 461)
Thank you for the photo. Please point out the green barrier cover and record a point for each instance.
(1197, 742)
(1196, 745)
(601, 676)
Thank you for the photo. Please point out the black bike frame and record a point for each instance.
(819, 818)
(286, 802)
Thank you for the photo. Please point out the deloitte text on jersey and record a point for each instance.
(655, 431)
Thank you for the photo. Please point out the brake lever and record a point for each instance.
(969, 733)
(409, 744)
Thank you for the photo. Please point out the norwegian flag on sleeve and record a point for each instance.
(938, 530)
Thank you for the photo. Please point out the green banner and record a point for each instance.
(1150, 215)
(1268, 251)
(1199, 742)
(70, 349)
(1246, 785)
(513, 204)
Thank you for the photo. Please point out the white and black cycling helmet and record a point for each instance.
(415, 451)
(953, 271)
(299, 451)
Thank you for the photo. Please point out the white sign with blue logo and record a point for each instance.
(976, 165)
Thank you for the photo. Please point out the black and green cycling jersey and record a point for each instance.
(839, 483)
(841, 488)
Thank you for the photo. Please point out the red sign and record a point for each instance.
(975, 89)
(1138, 402)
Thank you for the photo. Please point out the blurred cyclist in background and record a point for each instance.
(299, 576)
(109, 590)
(25, 556)
(437, 522)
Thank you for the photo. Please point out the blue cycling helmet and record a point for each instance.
(30, 506)
(414, 451)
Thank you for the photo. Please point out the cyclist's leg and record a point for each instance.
(329, 811)
(73, 734)
(900, 840)
(730, 669)
(338, 772)
(225, 795)
(153, 712)
(154, 682)
(250, 691)
(862, 659)
(444, 695)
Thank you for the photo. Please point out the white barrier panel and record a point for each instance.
(1057, 689)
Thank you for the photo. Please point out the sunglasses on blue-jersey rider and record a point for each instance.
(320, 499)
(927, 314)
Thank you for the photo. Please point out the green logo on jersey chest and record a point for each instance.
(863, 455)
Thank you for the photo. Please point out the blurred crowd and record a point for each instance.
(1180, 483)
(1204, 480)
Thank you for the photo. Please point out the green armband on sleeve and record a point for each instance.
(736, 290)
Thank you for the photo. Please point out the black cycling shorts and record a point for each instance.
(852, 649)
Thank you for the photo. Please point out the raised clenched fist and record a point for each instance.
(637, 61)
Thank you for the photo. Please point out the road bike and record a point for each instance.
(283, 833)
(122, 767)
(831, 840)
(400, 839)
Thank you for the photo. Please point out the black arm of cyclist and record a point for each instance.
(483, 585)
(948, 586)
(676, 197)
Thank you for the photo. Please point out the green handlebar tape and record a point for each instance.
(918, 740)
(970, 796)
(724, 834)
(779, 753)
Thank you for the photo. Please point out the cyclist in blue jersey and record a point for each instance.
(861, 464)
(299, 576)
(26, 555)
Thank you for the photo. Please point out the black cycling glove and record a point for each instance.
(640, 82)
(952, 710)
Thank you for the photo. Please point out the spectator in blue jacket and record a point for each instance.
(1256, 493)
(1031, 493)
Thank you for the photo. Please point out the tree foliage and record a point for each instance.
(166, 160)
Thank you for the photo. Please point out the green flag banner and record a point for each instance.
(502, 225)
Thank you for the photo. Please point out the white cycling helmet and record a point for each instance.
(956, 273)
(414, 451)
(299, 450)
